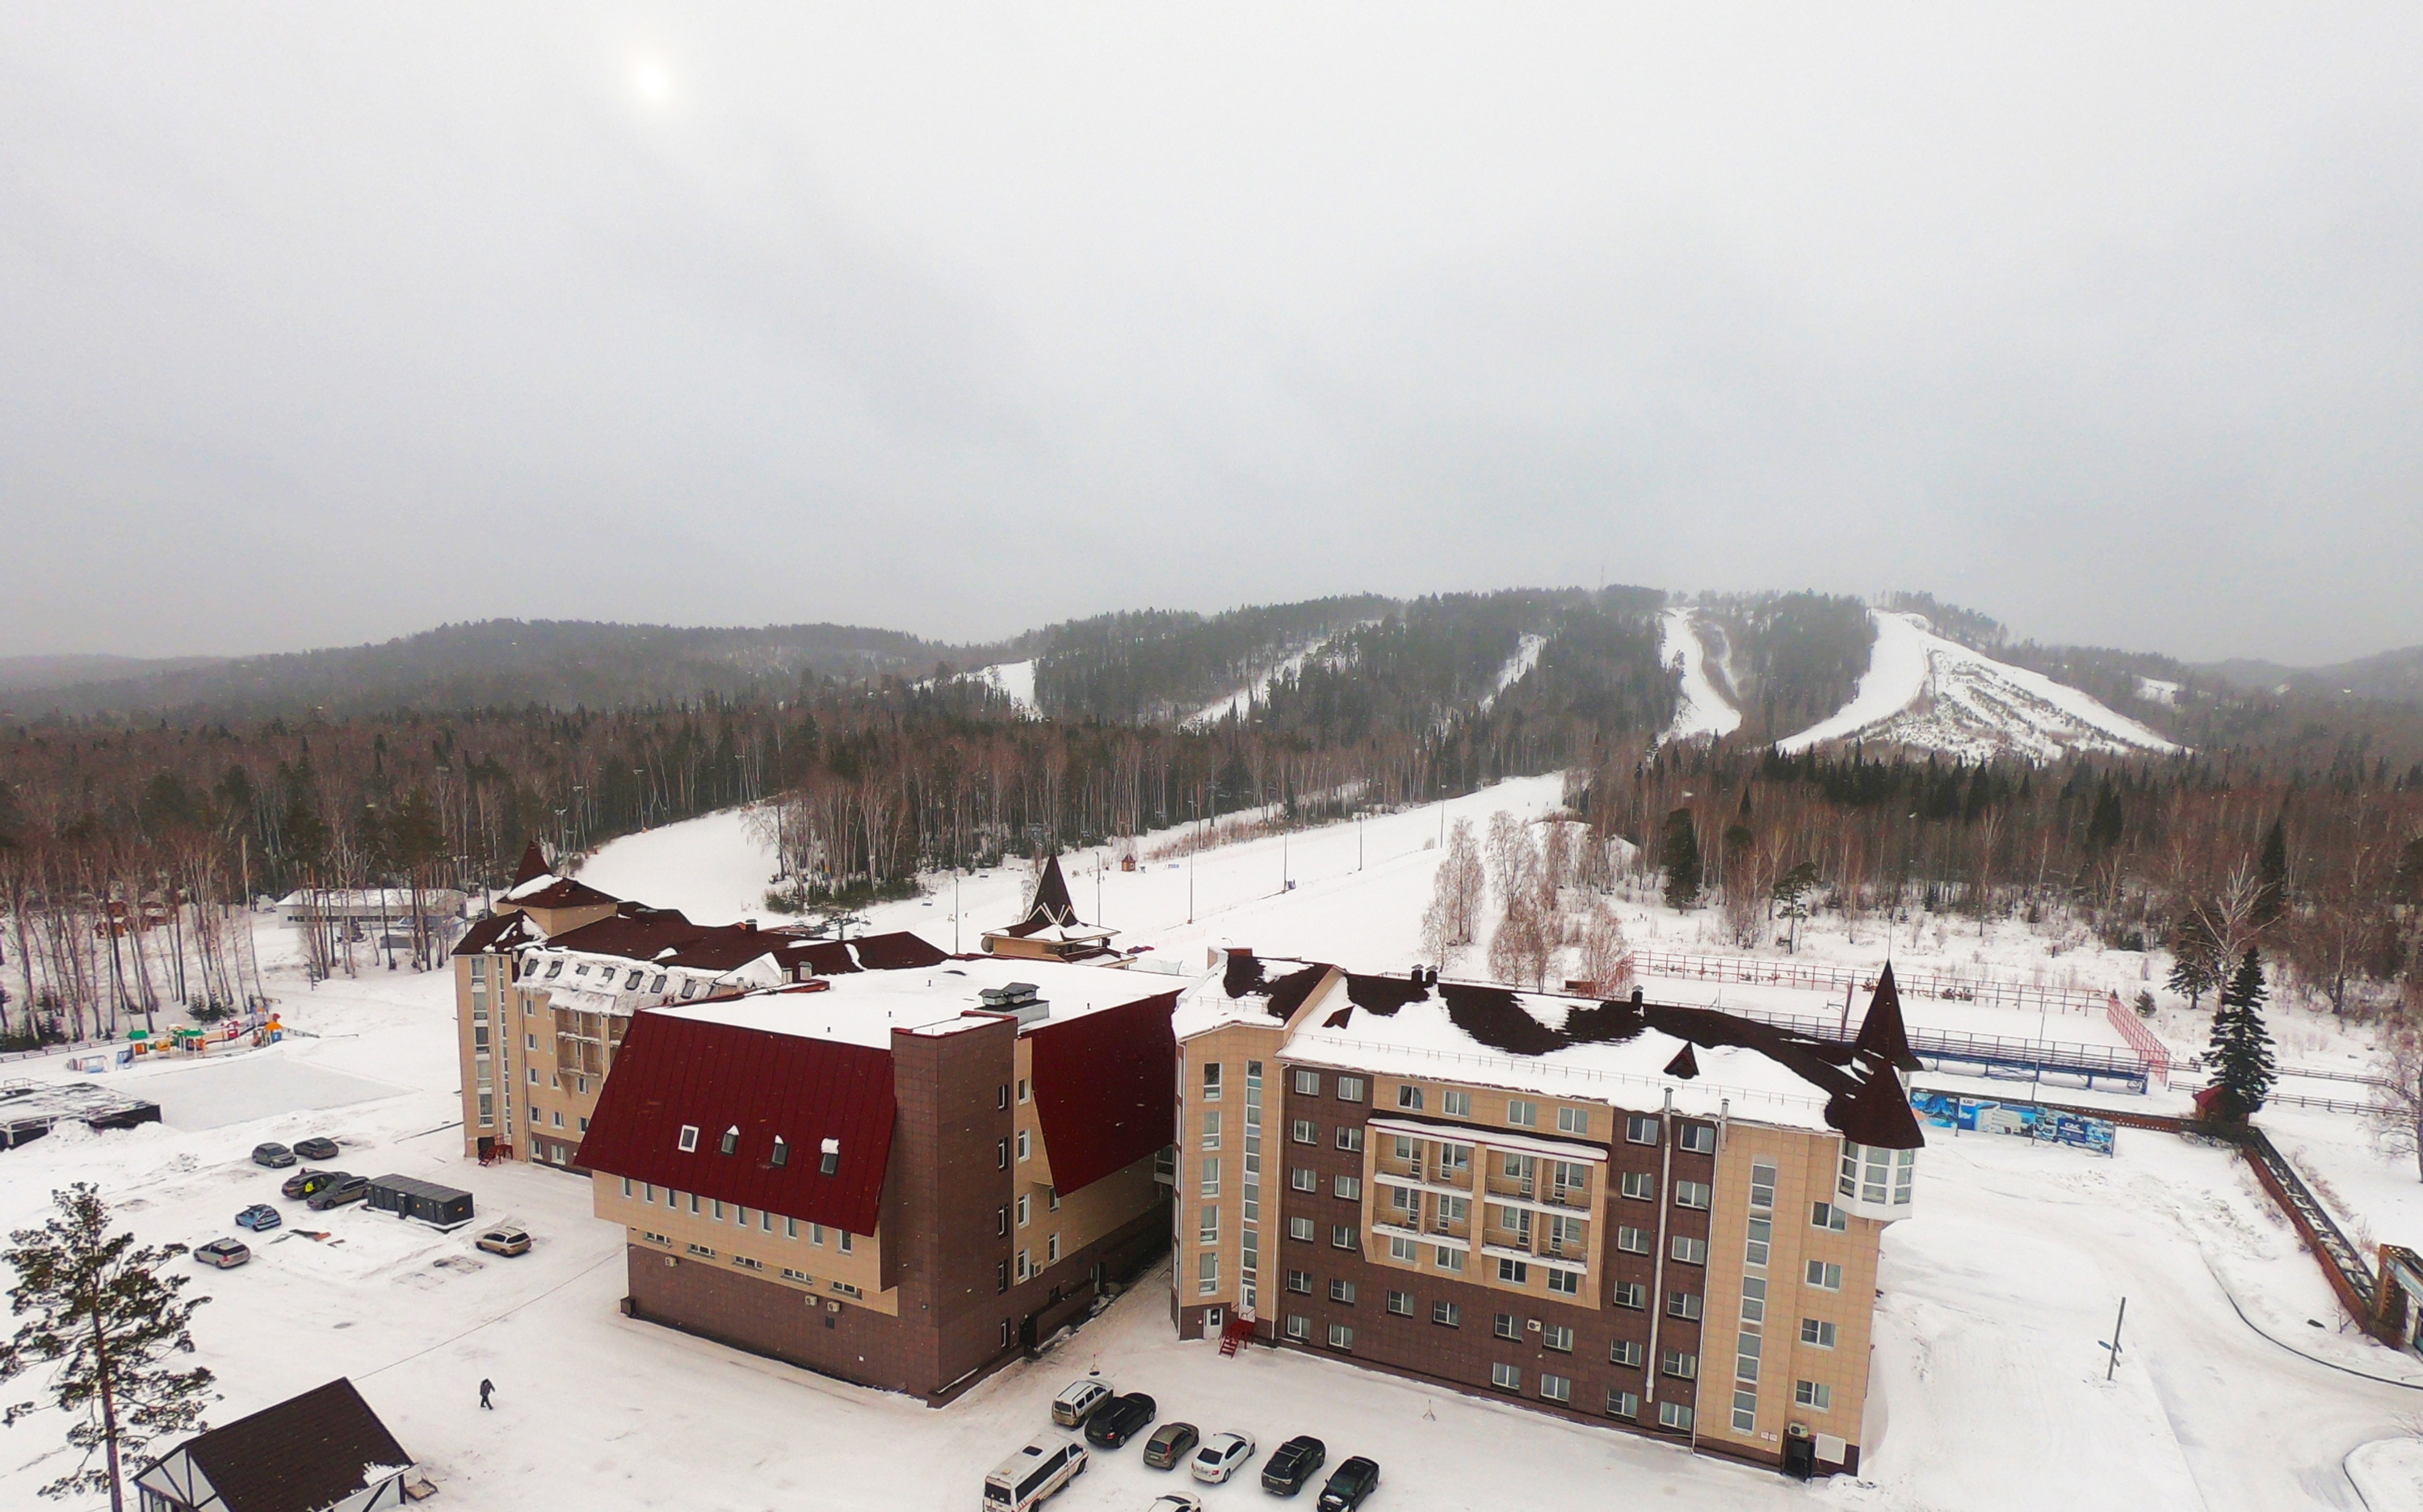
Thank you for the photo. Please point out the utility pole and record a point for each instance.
(2113, 1344)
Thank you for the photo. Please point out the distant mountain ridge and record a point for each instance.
(2391, 676)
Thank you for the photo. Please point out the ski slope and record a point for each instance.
(1240, 705)
(1936, 694)
(1015, 679)
(1517, 667)
(1702, 711)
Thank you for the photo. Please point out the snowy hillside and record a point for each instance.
(1015, 679)
(1702, 711)
(1517, 667)
(1936, 694)
(1240, 705)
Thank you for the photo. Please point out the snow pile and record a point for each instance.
(1922, 690)
(1702, 711)
(1517, 667)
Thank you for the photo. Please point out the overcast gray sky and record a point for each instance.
(326, 324)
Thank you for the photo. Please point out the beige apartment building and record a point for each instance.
(1664, 1218)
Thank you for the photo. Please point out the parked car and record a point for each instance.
(1221, 1455)
(316, 1148)
(1082, 1400)
(257, 1217)
(1031, 1477)
(1120, 1419)
(345, 1189)
(1353, 1481)
(273, 1156)
(305, 1181)
(1174, 1503)
(1293, 1463)
(504, 1242)
(1170, 1445)
(225, 1253)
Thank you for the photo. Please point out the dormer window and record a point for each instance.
(631, 982)
(830, 1160)
(555, 969)
(781, 1151)
(688, 1141)
(732, 1139)
(582, 970)
(658, 985)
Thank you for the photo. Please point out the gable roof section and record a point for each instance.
(673, 1070)
(534, 864)
(306, 1452)
(1105, 1089)
(496, 933)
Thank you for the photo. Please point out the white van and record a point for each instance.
(1027, 1478)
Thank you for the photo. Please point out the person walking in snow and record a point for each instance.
(486, 1386)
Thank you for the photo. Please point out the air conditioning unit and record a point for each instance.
(1533, 1324)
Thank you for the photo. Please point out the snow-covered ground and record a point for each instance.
(1016, 678)
(1517, 667)
(1989, 1378)
(1240, 705)
(1922, 690)
(1704, 711)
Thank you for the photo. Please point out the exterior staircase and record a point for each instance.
(1236, 1334)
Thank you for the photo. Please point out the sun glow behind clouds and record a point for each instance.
(652, 80)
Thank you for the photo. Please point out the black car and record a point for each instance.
(1170, 1445)
(1353, 1481)
(316, 1148)
(272, 1155)
(1293, 1464)
(345, 1189)
(1120, 1419)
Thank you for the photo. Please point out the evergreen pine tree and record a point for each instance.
(2241, 1049)
(2104, 829)
(1682, 860)
(103, 1316)
(2196, 968)
(2271, 874)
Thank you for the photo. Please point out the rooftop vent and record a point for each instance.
(1018, 999)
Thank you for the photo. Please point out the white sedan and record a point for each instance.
(1221, 1455)
(1174, 1503)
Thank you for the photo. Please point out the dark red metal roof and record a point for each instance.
(534, 864)
(498, 931)
(564, 893)
(672, 1072)
(897, 952)
(1105, 1089)
(306, 1452)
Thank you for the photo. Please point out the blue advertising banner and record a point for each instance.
(1980, 1115)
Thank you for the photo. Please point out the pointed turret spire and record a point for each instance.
(1050, 904)
(1881, 1030)
(534, 864)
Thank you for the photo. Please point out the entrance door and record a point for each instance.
(1026, 1331)
(1214, 1319)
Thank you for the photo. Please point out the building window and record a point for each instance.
(688, 1142)
(1350, 1089)
(1521, 1114)
(1815, 1395)
(1762, 1234)
(1747, 1347)
(1827, 1216)
(1683, 1305)
(1507, 1325)
(1824, 1275)
(1001, 1276)
(846, 1289)
(1632, 1241)
(1557, 1336)
(1001, 1098)
(657, 1238)
(1342, 1235)
(799, 1276)
(1817, 1333)
(558, 1116)
(1052, 1197)
(1564, 1283)
(1341, 1336)
(1212, 1081)
(842, 1240)
(1052, 1249)
(1753, 1298)
(1625, 1352)
(1745, 1412)
(1513, 1272)
(1693, 1194)
(1026, 1144)
(1506, 1377)
(1640, 1185)
(1573, 1120)
(627, 1186)
(1300, 1280)
(1401, 1304)
(1688, 1251)
(1675, 1415)
(1456, 1104)
(1447, 1315)
(1211, 1178)
(1409, 1098)
(1207, 1227)
(1455, 1162)
(1402, 1249)
(1000, 1153)
(1631, 1294)
(1299, 1327)
(702, 1251)
(1349, 1137)
(747, 1263)
(1000, 1222)
(1449, 1258)
(1005, 1333)
(1640, 1128)
(1300, 1228)
(731, 1139)
(1680, 1365)
(1303, 1131)
(1305, 1179)
(1762, 1187)
(1025, 1210)
(1308, 1083)
(1622, 1404)
(1699, 1138)
(1349, 1187)
(816, 1234)
(1554, 1388)
(1211, 1128)
(1341, 1290)
(1022, 1091)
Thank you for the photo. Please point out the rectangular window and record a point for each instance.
(1207, 1228)
(1401, 1304)
(1303, 1132)
(1640, 1185)
(1342, 1235)
(1688, 1251)
(1747, 1347)
(1455, 1162)
(1211, 1128)
(1622, 1404)
(1052, 1249)
(1000, 1222)
(1304, 1179)
(1513, 1272)
(1342, 1291)
(1745, 1412)
(1640, 1128)
(1000, 1153)
(842, 1240)
(1350, 1089)
(1817, 1333)
(1025, 1145)
(1693, 1194)
(1349, 1137)
(1447, 1315)
(1298, 1325)
(1815, 1395)
(1633, 1241)
(1521, 1114)
(1022, 1091)
(1557, 1336)
(1564, 1283)
(1402, 1248)
(1753, 1298)
(702, 1251)
(1308, 1083)
(688, 1141)
(1683, 1305)
(1554, 1388)
(1300, 1228)
(1573, 1120)
(1300, 1280)
(1206, 1270)
(627, 1185)
(1212, 1081)
(1341, 1336)
(1447, 1258)
(1827, 1216)
(1211, 1184)
(1825, 1276)
(1679, 1364)
(1625, 1352)
(1026, 1211)
(1762, 1234)
(1762, 1187)
(1506, 1377)
(1675, 1415)
(816, 1234)
(1456, 1104)
(1409, 1098)
(1699, 1138)
(1631, 1294)
(1349, 1187)
(1507, 1325)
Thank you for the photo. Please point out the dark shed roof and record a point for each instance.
(302, 1455)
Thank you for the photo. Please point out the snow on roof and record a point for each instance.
(1247, 989)
(864, 1008)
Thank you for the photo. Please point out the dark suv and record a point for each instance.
(1355, 1480)
(1120, 1419)
(1293, 1464)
